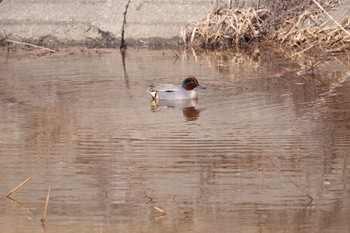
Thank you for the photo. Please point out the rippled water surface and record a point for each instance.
(260, 151)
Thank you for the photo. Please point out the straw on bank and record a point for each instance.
(224, 27)
(304, 26)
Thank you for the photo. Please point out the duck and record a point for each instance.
(185, 91)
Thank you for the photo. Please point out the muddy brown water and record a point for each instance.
(258, 152)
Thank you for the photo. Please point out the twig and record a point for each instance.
(304, 49)
(295, 184)
(331, 17)
(122, 43)
(45, 209)
(162, 213)
(32, 45)
(160, 210)
(150, 199)
(20, 185)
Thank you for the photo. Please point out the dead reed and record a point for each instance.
(225, 27)
(162, 213)
(313, 29)
(304, 26)
(18, 186)
(43, 218)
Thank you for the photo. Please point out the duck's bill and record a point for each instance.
(201, 87)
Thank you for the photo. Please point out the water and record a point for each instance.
(258, 152)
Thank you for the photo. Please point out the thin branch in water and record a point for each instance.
(295, 184)
(122, 43)
(45, 209)
(20, 185)
(160, 210)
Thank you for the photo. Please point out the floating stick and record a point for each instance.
(45, 209)
(20, 185)
(162, 213)
(160, 210)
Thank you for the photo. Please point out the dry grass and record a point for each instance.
(312, 29)
(224, 27)
(303, 25)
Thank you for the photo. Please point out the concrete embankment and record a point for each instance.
(76, 21)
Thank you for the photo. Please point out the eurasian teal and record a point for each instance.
(173, 92)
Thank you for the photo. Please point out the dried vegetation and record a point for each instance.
(305, 25)
(225, 27)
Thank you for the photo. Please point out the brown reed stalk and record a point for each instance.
(20, 185)
(43, 218)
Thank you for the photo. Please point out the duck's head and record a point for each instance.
(190, 82)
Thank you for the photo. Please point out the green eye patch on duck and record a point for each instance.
(190, 82)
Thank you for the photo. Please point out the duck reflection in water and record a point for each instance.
(188, 107)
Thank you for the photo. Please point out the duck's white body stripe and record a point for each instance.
(172, 93)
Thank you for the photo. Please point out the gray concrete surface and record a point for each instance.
(71, 20)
